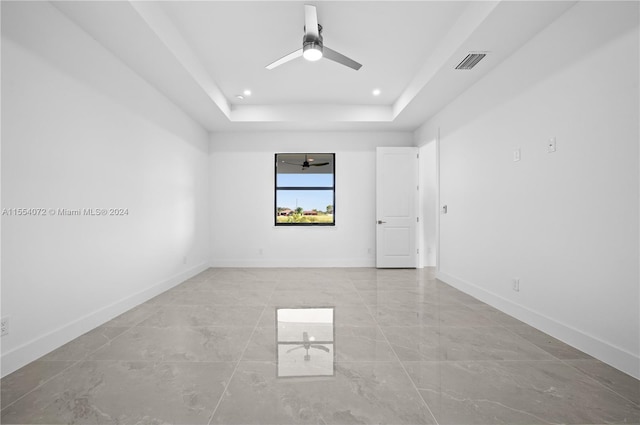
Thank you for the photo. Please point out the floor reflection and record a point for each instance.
(305, 341)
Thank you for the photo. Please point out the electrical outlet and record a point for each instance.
(551, 145)
(515, 284)
(4, 323)
(516, 155)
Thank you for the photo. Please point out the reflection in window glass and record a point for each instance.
(305, 180)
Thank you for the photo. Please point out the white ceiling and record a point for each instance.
(201, 54)
(262, 32)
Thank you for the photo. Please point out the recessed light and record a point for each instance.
(247, 92)
(239, 96)
(376, 92)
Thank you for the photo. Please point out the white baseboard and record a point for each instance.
(617, 357)
(38, 347)
(288, 262)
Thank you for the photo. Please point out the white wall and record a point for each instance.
(242, 204)
(81, 130)
(428, 203)
(565, 223)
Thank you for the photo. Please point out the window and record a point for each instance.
(305, 189)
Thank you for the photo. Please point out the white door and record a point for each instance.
(396, 207)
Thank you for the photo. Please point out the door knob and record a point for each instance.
(380, 221)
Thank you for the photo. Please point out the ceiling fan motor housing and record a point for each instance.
(310, 41)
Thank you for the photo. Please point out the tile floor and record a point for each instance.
(408, 350)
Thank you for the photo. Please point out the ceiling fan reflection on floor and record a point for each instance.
(307, 344)
(312, 47)
(307, 163)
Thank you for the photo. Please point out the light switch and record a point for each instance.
(551, 145)
(444, 209)
(516, 155)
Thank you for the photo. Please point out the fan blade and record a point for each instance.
(321, 347)
(311, 21)
(291, 56)
(291, 163)
(340, 58)
(321, 164)
(295, 348)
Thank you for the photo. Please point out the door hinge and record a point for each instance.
(418, 156)
(418, 187)
(418, 251)
(417, 219)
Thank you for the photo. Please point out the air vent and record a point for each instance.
(471, 60)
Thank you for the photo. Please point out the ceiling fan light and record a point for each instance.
(312, 52)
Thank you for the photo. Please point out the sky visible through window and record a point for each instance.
(306, 199)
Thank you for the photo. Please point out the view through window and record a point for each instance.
(305, 189)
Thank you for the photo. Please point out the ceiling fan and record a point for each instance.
(312, 47)
(308, 163)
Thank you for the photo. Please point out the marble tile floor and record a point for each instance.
(406, 349)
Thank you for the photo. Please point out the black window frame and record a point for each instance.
(276, 188)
